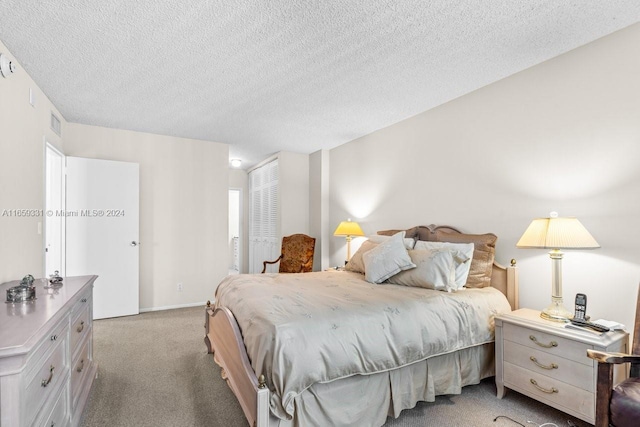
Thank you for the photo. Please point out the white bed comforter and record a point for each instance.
(301, 329)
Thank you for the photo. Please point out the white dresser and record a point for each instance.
(549, 363)
(46, 359)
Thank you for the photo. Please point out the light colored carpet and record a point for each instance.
(153, 370)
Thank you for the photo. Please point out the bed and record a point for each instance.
(331, 348)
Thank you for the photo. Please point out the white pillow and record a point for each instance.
(356, 264)
(409, 243)
(462, 267)
(435, 269)
(386, 259)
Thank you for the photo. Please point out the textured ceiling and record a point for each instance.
(295, 75)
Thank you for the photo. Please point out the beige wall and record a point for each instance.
(564, 136)
(293, 182)
(23, 131)
(184, 187)
(319, 223)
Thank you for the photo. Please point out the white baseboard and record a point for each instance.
(171, 307)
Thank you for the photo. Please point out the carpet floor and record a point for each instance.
(153, 370)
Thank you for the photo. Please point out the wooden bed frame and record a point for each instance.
(224, 339)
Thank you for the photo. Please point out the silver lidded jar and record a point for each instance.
(25, 291)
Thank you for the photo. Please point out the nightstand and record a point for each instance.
(549, 363)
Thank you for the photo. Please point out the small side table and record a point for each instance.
(548, 362)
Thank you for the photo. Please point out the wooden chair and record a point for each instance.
(296, 255)
(619, 406)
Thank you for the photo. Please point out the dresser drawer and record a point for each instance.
(548, 343)
(546, 363)
(58, 415)
(84, 300)
(56, 335)
(47, 374)
(80, 325)
(566, 397)
(81, 365)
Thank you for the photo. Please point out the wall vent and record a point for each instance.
(55, 125)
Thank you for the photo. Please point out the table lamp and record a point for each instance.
(348, 229)
(556, 233)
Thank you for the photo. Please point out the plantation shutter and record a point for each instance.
(264, 244)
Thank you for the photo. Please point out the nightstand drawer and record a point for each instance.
(565, 397)
(548, 343)
(560, 361)
(545, 363)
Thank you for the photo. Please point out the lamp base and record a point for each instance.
(556, 313)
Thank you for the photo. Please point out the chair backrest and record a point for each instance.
(297, 254)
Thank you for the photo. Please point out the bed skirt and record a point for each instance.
(367, 400)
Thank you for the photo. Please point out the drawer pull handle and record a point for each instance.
(81, 327)
(80, 366)
(54, 337)
(46, 382)
(545, 390)
(83, 300)
(535, 340)
(540, 365)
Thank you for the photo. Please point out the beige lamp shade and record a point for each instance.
(348, 228)
(557, 233)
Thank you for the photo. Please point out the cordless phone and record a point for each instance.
(581, 307)
(580, 316)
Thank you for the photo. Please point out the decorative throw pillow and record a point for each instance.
(356, 264)
(386, 259)
(409, 243)
(420, 232)
(483, 255)
(435, 269)
(411, 233)
(462, 268)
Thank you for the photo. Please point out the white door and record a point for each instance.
(54, 206)
(102, 231)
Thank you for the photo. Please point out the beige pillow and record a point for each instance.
(483, 255)
(410, 233)
(424, 233)
(409, 243)
(420, 232)
(356, 264)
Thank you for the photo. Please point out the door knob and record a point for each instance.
(134, 243)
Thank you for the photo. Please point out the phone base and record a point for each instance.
(556, 313)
